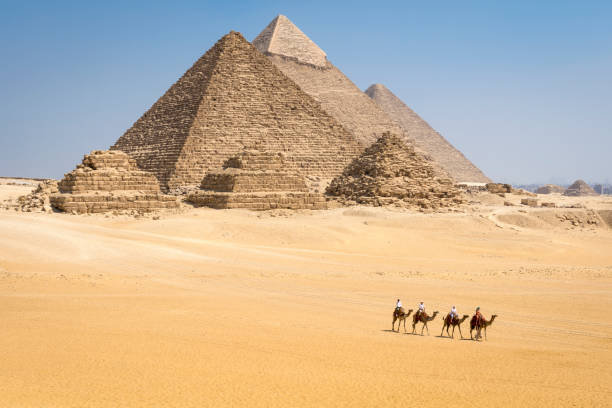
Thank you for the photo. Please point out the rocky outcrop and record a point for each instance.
(580, 188)
(257, 181)
(110, 181)
(498, 188)
(390, 172)
(550, 189)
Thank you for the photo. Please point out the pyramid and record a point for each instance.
(234, 98)
(110, 181)
(305, 63)
(580, 188)
(390, 172)
(257, 181)
(425, 137)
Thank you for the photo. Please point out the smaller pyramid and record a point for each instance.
(425, 137)
(257, 181)
(580, 188)
(550, 189)
(390, 172)
(282, 37)
(109, 180)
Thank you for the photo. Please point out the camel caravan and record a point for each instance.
(478, 322)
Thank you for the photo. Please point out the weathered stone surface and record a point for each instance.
(336, 93)
(498, 188)
(257, 181)
(425, 137)
(531, 202)
(550, 189)
(580, 188)
(390, 172)
(109, 181)
(234, 98)
(549, 205)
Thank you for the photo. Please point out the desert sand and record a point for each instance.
(228, 307)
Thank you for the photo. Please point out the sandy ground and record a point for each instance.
(235, 308)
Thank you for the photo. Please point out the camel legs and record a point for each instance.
(404, 326)
(485, 332)
(413, 327)
(453, 335)
(393, 324)
(460, 332)
(425, 327)
(442, 332)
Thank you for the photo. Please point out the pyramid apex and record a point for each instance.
(376, 88)
(282, 37)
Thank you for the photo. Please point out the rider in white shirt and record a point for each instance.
(398, 305)
(421, 308)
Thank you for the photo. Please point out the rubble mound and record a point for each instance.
(110, 181)
(37, 201)
(390, 172)
(550, 189)
(257, 181)
(580, 188)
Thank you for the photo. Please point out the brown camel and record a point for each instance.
(456, 322)
(423, 318)
(483, 324)
(400, 315)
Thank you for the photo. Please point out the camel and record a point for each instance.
(483, 324)
(400, 315)
(423, 318)
(456, 322)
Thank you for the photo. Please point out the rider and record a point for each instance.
(478, 316)
(398, 305)
(453, 313)
(421, 308)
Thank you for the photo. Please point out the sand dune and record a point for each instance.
(211, 308)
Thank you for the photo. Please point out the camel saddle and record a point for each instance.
(399, 311)
(475, 322)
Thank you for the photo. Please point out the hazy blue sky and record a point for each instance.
(522, 88)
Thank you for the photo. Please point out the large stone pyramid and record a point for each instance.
(305, 63)
(233, 98)
(390, 172)
(445, 154)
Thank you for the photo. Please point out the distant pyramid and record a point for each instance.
(580, 188)
(390, 172)
(451, 159)
(234, 98)
(305, 63)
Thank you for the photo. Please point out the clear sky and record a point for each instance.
(522, 88)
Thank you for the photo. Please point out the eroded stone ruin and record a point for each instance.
(257, 181)
(550, 189)
(110, 181)
(390, 172)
